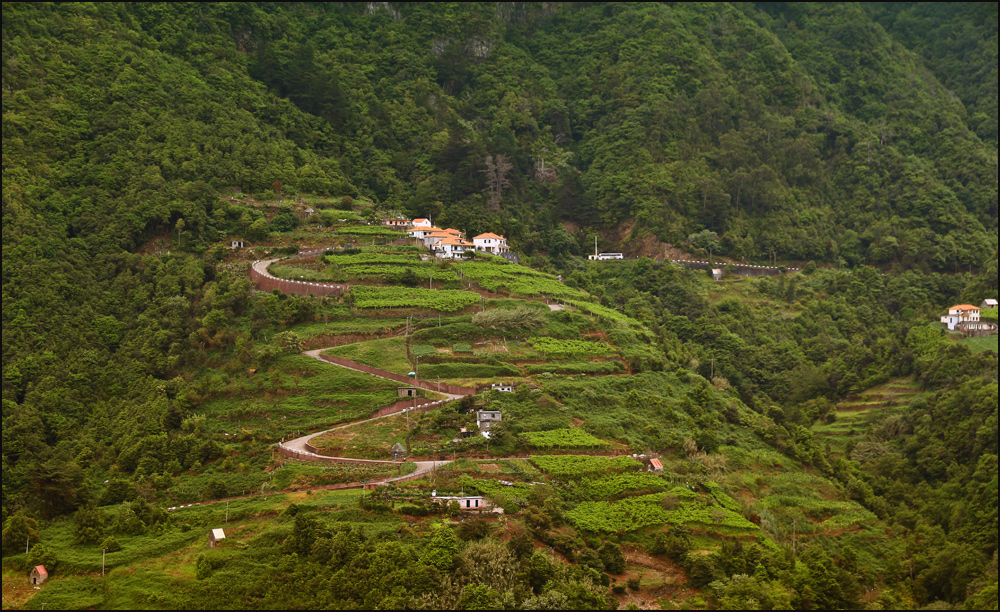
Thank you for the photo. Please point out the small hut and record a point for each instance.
(398, 451)
(406, 391)
(38, 575)
(215, 536)
(716, 274)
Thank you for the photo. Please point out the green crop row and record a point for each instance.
(563, 438)
(603, 312)
(370, 230)
(468, 370)
(369, 258)
(580, 465)
(396, 271)
(577, 367)
(496, 269)
(615, 485)
(617, 517)
(402, 297)
(724, 500)
(709, 516)
(844, 520)
(515, 279)
(554, 347)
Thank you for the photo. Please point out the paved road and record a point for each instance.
(299, 444)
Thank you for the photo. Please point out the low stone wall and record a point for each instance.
(311, 455)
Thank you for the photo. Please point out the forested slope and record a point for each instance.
(844, 135)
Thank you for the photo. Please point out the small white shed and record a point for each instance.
(215, 536)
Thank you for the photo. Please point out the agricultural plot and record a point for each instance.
(398, 272)
(564, 438)
(370, 230)
(296, 393)
(618, 517)
(575, 466)
(614, 486)
(603, 312)
(565, 349)
(299, 273)
(405, 298)
(370, 440)
(386, 354)
(854, 415)
(370, 258)
(577, 367)
(515, 280)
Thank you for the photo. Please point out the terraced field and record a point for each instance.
(855, 414)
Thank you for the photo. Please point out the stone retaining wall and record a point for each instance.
(266, 282)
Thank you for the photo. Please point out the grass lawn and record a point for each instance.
(980, 344)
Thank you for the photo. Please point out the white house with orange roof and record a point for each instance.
(959, 314)
(452, 247)
(490, 243)
(422, 223)
(421, 232)
(433, 238)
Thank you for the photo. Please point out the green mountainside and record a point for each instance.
(825, 443)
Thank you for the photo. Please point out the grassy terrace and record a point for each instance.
(386, 354)
(854, 415)
(295, 393)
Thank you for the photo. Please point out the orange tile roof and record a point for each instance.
(490, 235)
(453, 241)
(964, 307)
(452, 230)
(418, 220)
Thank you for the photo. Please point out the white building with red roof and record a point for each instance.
(421, 232)
(959, 314)
(422, 223)
(433, 238)
(490, 243)
(451, 247)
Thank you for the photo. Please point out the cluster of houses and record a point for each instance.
(965, 318)
(450, 243)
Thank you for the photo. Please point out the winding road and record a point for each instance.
(299, 445)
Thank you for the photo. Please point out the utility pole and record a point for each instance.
(103, 552)
(27, 543)
(227, 510)
(713, 367)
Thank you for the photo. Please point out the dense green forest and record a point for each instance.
(858, 142)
